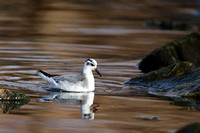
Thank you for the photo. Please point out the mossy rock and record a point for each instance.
(172, 81)
(7, 95)
(8, 106)
(10, 100)
(184, 49)
(175, 70)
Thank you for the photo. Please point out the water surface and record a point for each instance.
(58, 36)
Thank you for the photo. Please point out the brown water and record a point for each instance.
(58, 36)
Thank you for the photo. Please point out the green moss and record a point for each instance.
(175, 70)
(7, 95)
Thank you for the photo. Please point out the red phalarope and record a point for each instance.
(83, 82)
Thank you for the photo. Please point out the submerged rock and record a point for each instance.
(184, 49)
(7, 95)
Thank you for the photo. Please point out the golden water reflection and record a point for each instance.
(57, 36)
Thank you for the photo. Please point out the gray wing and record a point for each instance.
(69, 78)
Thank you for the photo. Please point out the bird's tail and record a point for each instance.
(46, 76)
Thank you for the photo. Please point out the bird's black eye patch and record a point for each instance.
(88, 63)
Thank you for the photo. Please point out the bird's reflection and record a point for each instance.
(85, 100)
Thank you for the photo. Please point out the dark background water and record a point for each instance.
(57, 36)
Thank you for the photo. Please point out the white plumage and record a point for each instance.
(83, 82)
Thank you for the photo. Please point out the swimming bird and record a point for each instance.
(83, 82)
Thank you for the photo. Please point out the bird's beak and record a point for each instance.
(98, 73)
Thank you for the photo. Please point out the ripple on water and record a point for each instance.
(57, 36)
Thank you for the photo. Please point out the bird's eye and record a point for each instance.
(92, 64)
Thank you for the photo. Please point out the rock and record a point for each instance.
(7, 106)
(7, 95)
(190, 128)
(171, 72)
(175, 70)
(184, 49)
(170, 82)
(10, 100)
